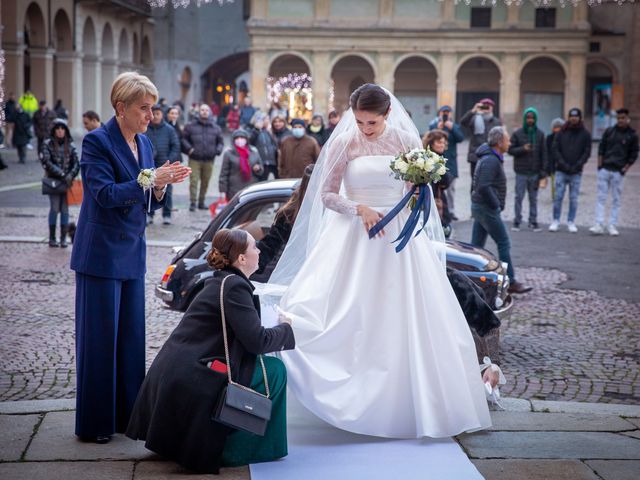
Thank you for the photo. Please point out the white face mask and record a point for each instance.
(298, 132)
(240, 142)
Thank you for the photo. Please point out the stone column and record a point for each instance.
(42, 74)
(513, 16)
(321, 75)
(385, 12)
(448, 14)
(14, 69)
(510, 90)
(322, 11)
(68, 84)
(259, 68)
(574, 84)
(447, 82)
(92, 83)
(259, 9)
(109, 73)
(386, 72)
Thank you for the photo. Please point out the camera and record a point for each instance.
(445, 117)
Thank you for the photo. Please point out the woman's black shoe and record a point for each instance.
(99, 439)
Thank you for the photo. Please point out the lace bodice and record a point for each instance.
(373, 154)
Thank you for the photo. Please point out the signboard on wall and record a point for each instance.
(603, 113)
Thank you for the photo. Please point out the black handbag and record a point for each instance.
(238, 406)
(53, 186)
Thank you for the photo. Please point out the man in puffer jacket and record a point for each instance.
(617, 152)
(202, 141)
(571, 150)
(528, 151)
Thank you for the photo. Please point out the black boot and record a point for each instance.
(52, 236)
(63, 235)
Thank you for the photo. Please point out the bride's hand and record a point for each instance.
(369, 218)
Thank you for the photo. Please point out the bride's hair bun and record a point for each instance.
(227, 245)
(370, 98)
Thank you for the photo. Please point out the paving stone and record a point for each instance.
(578, 407)
(516, 404)
(561, 445)
(16, 433)
(530, 421)
(633, 434)
(635, 421)
(37, 406)
(616, 469)
(534, 470)
(66, 470)
(55, 440)
(154, 470)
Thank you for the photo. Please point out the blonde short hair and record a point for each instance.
(131, 86)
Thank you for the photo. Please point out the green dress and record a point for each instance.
(242, 448)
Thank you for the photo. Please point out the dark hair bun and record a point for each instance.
(218, 260)
(370, 98)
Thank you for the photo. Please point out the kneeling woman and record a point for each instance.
(174, 408)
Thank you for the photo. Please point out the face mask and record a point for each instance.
(298, 132)
(240, 142)
(315, 128)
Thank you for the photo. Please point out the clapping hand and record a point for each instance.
(171, 173)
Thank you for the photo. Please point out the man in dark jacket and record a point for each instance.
(617, 152)
(267, 146)
(570, 150)
(166, 148)
(42, 121)
(479, 120)
(528, 151)
(489, 191)
(202, 141)
(21, 133)
(9, 117)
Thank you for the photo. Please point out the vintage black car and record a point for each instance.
(254, 209)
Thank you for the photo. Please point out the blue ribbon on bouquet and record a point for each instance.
(423, 204)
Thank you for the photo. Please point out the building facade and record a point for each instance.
(72, 50)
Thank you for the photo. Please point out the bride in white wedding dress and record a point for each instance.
(383, 347)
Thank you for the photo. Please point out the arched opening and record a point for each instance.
(34, 37)
(136, 50)
(289, 83)
(348, 74)
(146, 59)
(63, 61)
(90, 75)
(109, 70)
(600, 98)
(416, 86)
(542, 86)
(477, 78)
(219, 81)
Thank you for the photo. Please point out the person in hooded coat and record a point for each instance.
(174, 408)
(59, 158)
(529, 160)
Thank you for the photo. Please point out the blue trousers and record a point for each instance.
(562, 181)
(110, 352)
(487, 221)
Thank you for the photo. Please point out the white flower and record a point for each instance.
(402, 166)
(429, 164)
(442, 170)
(146, 178)
(420, 162)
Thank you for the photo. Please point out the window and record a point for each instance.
(545, 18)
(481, 17)
(594, 47)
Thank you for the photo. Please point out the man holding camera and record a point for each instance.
(479, 120)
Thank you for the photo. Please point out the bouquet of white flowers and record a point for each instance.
(421, 168)
(146, 178)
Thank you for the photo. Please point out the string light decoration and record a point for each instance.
(184, 3)
(2, 90)
(295, 91)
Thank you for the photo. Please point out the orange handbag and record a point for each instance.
(74, 193)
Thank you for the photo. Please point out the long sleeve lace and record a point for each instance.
(332, 181)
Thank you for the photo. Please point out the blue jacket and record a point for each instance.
(110, 240)
(166, 145)
(489, 180)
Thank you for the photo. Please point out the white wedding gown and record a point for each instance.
(382, 346)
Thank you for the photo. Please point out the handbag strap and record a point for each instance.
(226, 347)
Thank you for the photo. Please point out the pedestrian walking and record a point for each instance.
(202, 141)
(528, 150)
(9, 118)
(241, 165)
(479, 120)
(60, 162)
(267, 147)
(618, 150)
(571, 150)
(297, 151)
(488, 195)
(91, 120)
(21, 133)
(60, 110)
(550, 168)
(233, 118)
(166, 147)
(445, 122)
(42, 121)
(109, 258)
(246, 113)
(29, 103)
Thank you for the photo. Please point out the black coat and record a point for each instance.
(618, 148)
(205, 138)
(173, 409)
(528, 162)
(21, 131)
(489, 180)
(571, 150)
(166, 145)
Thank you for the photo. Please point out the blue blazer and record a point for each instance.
(110, 240)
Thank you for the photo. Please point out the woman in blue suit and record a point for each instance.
(109, 258)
